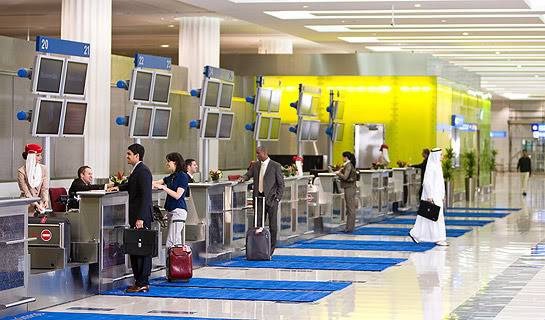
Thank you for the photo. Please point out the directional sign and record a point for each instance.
(45, 235)
(152, 62)
(65, 47)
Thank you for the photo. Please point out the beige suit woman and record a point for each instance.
(32, 178)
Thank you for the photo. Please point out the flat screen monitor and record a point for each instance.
(315, 105)
(338, 110)
(314, 130)
(263, 130)
(303, 130)
(263, 100)
(305, 105)
(161, 123)
(226, 125)
(75, 78)
(141, 85)
(338, 132)
(74, 118)
(48, 78)
(210, 127)
(275, 101)
(141, 122)
(274, 133)
(47, 117)
(211, 93)
(161, 88)
(226, 97)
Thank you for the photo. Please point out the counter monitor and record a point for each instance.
(275, 101)
(263, 99)
(314, 130)
(47, 117)
(338, 132)
(141, 122)
(338, 110)
(47, 80)
(303, 130)
(211, 93)
(161, 88)
(304, 107)
(263, 128)
(75, 78)
(74, 118)
(226, 97)
(274, 133)
(161, 123)
(209, 128)
(226, 125)
(141, 85)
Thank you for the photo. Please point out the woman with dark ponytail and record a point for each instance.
(348, 176)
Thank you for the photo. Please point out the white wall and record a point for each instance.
(499, 122)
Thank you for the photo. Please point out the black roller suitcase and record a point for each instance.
(258, 240)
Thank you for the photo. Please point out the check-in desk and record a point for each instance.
(303, 223)
(374, 191)
(97, 234)
(240, 216)
(15, 264)
(399, 179)
(414, 187)
(212, 204)
(333, 211)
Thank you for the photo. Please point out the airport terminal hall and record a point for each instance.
(272, 159)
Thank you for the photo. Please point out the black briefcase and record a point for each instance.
(428, 210)
(140, 242)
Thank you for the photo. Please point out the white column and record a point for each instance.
(199, 45)
(91, 22)
(275, 46)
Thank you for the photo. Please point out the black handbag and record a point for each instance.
(428, 210)
(140, 242)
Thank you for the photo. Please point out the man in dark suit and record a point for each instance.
(84, 183)
(268, 183)
(422, 167)
(140, 211)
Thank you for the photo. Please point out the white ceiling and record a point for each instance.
(502, 40)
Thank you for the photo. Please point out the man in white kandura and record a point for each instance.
(433, 190)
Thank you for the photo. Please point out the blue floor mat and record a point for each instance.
(336, 259)
(254, 284)
(453, 233)
(226, 294)
(460, 214)
(484, 209)
(448, 222)
(40, 315)
(362, 245)
(301, 265)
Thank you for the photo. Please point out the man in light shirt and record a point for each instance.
(268, 183)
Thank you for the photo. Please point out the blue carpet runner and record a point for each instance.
(372, 231)
(41, 315)
(362, 245)
(448, 222)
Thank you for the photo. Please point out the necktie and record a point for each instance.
(261, 176)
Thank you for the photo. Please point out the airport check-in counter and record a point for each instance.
(239, 217)
(97, 234)
(374, 189)
(15, 265)
(303, 223)
(210, 206)
(414, 187)
(399, 178)
(333, 211)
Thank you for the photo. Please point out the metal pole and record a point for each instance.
(330, 142)
(205, 160)
(47, 156)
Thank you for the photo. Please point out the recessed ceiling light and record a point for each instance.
(497, 52)
(304, 7)
(536, 76)
(443, 21)
(383, 48)
(171, 26)
(417, 5)
(465, 34)
(343, 21)
(165, 45)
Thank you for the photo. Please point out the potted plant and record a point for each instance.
(448, 170)
(492, 167)
(289, 170)
(215, 175)
(401, 164)
(469, 161)
(119, 178)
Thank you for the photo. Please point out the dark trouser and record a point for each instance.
(270, 214)
(351, 203)
(141, 269)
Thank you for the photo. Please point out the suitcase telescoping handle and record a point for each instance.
(183, 230)
(259, 202)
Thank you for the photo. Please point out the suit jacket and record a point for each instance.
(139, 188)
(422, 167)
(42, 191)
(79, 185)
(273, 181)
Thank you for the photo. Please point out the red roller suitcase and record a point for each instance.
(179, 261)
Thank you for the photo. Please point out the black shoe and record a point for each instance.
(524, 194)
(412, 238)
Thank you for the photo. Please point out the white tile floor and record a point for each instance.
(430, 285)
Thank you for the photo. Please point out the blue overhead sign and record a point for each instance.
(538, 127)
(498, 134)
(152, 62)
(469, 127)
(65, 47)
(218, 73)
(457, 120)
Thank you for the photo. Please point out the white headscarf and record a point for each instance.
(33, 171)
(434, 184)
(385, 155)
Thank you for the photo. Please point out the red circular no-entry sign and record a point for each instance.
(45, 235)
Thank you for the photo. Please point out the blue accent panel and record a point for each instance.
(22, 115)
(250, 99)
(362, 245)
(66, 47)
(220, 74)
(195, 124)
(122, 84)
(498, 134)
(152, 62)
(121, 121)
(250, 126)
(195, 92)
(254, 284)
(457, 120)
(226, 294)
(40, 315)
